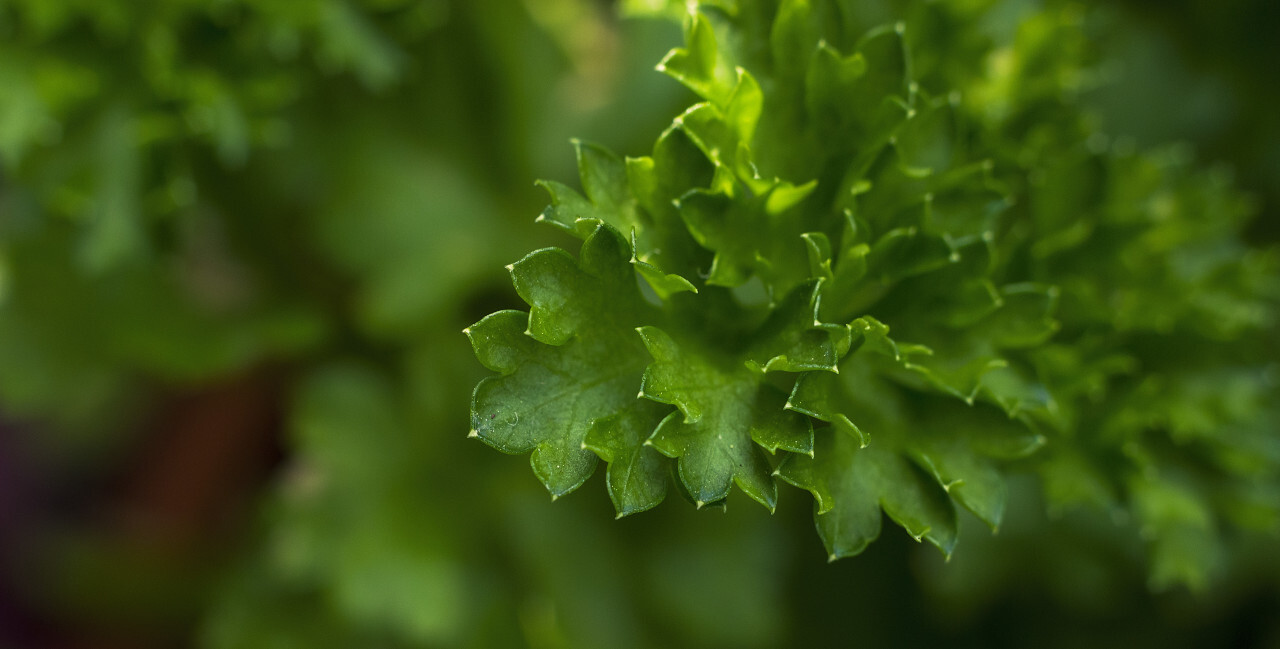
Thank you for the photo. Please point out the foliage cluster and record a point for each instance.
(305, 200)
(885, 261)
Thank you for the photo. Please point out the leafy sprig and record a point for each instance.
(829, 189)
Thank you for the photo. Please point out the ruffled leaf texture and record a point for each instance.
(888, 265)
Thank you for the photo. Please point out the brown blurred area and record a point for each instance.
(165, 514)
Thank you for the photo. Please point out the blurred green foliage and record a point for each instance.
(327, 190)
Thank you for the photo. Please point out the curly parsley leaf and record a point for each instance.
(552, 385)
(728, 411)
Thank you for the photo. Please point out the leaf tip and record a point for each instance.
(831, 558)
(474, 433)
(699, 504)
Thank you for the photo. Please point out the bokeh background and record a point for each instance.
(239, 240)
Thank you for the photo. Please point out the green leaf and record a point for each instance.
(960, 445)
(699, 65)
(724, 134)
(676, 165)
(665, 253)
(728, 409)
(953, 442)
(606, 179)
(832, 81)
(963, 324)
(794, 339)
(553, 385)
(857, 100)
(748, 238)
(567, 296)
(725, 409)
(852, 484)
(637, 474)
(608, 198)
(796, 33)
(1023, 317)
(664, 284)
(511, 413)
